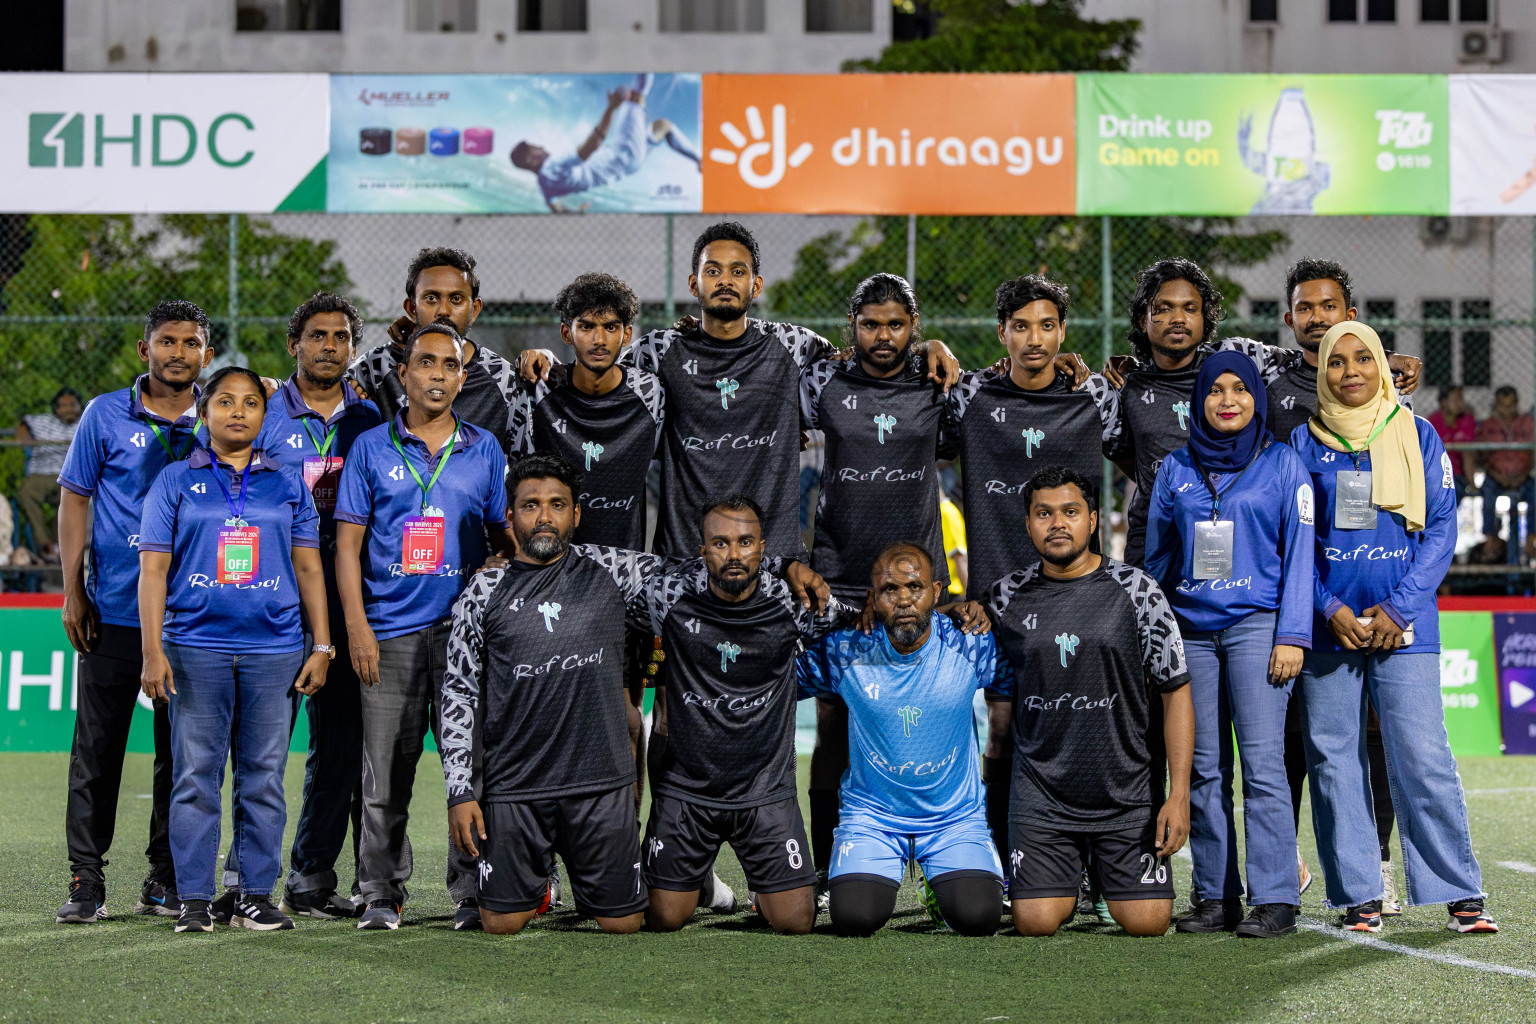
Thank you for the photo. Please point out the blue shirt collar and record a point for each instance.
(468, 435)
(260, 459)
(137, 408)
(288, 392)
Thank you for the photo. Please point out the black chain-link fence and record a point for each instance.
(1458, 292)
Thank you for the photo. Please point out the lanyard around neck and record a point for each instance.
(236, 512)
(1374, 434)
(159, 436)
(426, 488)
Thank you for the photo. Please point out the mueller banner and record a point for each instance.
(162, 143)
(1493, 144)
(926, 144)
(515, 144)
(1514, 635)
(1262, 144)
(1469, 689)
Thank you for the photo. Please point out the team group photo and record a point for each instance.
(1063, 549)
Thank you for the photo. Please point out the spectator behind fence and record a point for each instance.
(1455, 424)
(1506, 471)
(40, 488)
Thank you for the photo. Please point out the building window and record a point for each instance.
(839, 16)
(1473, 10)
(440, 15)
(287, 15)
(1434, 10)
(1477, 345)
(1343, 10)
(1263, 10)
(1377, 310)
(1437, 344)
(551, 15)
(712, 15)
(1264, 320)
(1380, 10)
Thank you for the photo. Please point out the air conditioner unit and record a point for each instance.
(1481, 45)
(1446, 230)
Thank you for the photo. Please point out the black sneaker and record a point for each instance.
(1209, 916)
(1468, 916)
(194, 917)
(258, 914)
(380, 915)
(467, 917)
(87, 901)
(1363, 918)
(223, 908)
(823, 893)
(158, 897)
(322, 904)
(1268, 921)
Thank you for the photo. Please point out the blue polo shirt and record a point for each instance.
(295, 432)
(113, 460)
(183, 514)
(379, 492)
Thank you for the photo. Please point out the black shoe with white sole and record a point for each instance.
(194, 917)
(258, 914)
(1209, 916)
(87, 901)
(223, 908)
(158, 897)
(466, 916)
(1268, 921)
(321, 904)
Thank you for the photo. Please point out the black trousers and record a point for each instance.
(108, 690)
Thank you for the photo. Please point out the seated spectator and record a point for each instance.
(40, 488)
(1455, 423)
(1506, 471)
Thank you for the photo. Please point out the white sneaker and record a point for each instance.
(1390, 905)
(715, 895)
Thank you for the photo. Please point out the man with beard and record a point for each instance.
(913, 790)
(732, 421)
(125, 439)
(441, 286)
(1085, 637)
(417, 499)
(723, 753)
(313, 420)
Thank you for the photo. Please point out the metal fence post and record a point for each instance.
(912, 250)
(1106, 348)
(234, 284)
(670, 303)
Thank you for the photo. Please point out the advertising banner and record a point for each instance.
(515, 144)
(1469, 689)
(1262, 144)
(162, 143)
(1514, 634)
(1493, 144)
(925, 144)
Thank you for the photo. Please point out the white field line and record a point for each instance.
(1518, 865)
(1365, 939)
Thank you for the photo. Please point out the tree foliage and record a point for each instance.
(996, 35)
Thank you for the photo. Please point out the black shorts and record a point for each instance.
(595, 834)
(682, 839)
(1045, 862)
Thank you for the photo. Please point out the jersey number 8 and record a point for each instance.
(793, 847)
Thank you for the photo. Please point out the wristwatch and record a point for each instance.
(322, 649)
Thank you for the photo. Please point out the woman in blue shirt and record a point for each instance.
(228, 553)
(1229, 539)
(1386, 531)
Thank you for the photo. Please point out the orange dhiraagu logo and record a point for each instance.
(929, 144)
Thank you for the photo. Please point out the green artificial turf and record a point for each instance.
(725, 968)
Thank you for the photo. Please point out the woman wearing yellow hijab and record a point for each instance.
(1386, 529)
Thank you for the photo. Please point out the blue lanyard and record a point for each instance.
(237, 511)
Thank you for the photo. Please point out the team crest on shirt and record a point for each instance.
(551, 612)
(909, 716)
(1182, 410)
(885, 423)
(1034, 437)
(843, 850)
(485, 872)
(727, 386)
(593, 452)
(728, 652)
(1068, 644)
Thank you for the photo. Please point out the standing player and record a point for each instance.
(312, 421)
(913, 792)
(417, 498)
(733, 423)
(441, 286)
(724, 753)
(125, 439)
(1086, 636)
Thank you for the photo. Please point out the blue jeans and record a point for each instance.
(1426, 790)
(233, 706)
(1230, 687)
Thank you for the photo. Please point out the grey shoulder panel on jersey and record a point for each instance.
(461, 681)
(963, 393)
(802, 344)
(501, 370)
(1004, 589)
(651, 348)
(1162, 646)
(813, 381)
(370, 368)
(1107, 400)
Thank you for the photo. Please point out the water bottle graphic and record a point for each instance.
(1293, 175)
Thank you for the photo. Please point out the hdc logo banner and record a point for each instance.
(926, 144)
(163, 143)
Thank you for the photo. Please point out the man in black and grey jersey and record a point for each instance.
(1085, 635)
(441, 285)
(732, 382)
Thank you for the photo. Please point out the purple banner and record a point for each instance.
(1514, 635)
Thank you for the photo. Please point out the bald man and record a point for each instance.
(913, 789)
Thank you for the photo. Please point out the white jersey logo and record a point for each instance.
(691, 366)
(1288, 402)
(850, 401)
(199, 488)
(1000, 415)
(137, 439)
(294, 441)
(398, 473)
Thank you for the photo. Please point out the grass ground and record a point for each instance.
(728, 968)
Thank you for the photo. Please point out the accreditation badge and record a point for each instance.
(1352, 508)
(422, 549)
(1212, 555)
(322, 475)
(239, 550)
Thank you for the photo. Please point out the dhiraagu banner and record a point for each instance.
(1469, 688)
(1262, 144)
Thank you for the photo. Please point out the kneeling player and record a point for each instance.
(1084, 635)
(913, 789)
